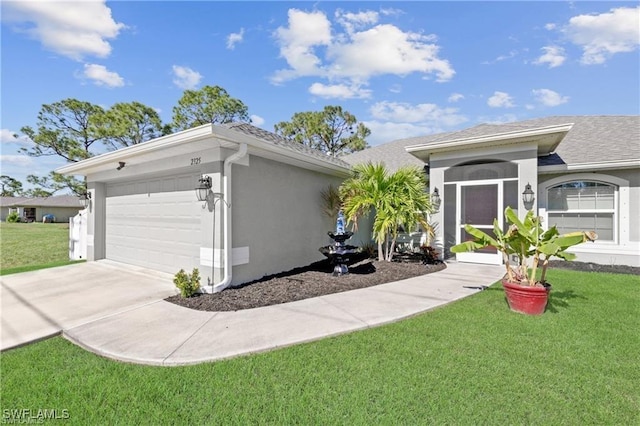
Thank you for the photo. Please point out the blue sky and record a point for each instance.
(403, 68)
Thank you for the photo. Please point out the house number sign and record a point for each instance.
(195, 161)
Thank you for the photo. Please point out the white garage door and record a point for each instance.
(154, 223)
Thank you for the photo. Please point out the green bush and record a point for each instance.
(13, 217)
(187, 284)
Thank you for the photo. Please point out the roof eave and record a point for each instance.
(602, 165)
(545, 145)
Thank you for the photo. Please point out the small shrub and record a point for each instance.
(430, 256)
(370, 250)
(13, 217)
(187, 284)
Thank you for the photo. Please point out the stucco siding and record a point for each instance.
(277, 214)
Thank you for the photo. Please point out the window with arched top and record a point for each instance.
(583, 205)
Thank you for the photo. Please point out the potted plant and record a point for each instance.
(533, 247)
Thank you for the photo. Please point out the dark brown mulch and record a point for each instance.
(594, 267)
(303, 283)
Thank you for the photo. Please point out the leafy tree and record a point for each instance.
(332, 130)
(126, 124)
(10, 187)
(398, 199)
(66, 129)
(54, 182)
(207, 105)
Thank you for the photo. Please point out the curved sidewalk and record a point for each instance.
(161, 333)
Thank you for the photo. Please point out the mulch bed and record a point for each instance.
(303, 283)
(594, 267)
(317, 280)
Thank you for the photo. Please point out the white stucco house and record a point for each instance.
(62, 207)
(262, 214)
(583, 170)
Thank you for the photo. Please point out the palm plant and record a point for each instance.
(528, 241)
(398, 199)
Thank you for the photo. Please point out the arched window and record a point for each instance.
(583, 205)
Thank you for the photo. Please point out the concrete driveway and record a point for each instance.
(35, 305)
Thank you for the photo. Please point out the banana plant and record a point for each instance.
(528, 241)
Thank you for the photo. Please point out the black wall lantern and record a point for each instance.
(435, 200)
(85, 199)
(204, 186)
(528, 197)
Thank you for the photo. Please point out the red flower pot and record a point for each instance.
(530, 300)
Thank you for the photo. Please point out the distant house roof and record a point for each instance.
(53, 201)
(592, 139)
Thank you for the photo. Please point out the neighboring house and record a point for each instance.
(262, 215)
(62, 207)
(583, 170)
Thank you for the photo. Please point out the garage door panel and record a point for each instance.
(154, 223)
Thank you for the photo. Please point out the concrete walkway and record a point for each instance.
(161, 333)
(39, 304)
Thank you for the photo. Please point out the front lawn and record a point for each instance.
(471, 362)
(29, 246)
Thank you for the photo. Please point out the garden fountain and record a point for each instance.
(339, 253)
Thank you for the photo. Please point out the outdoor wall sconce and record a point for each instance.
(121, 165)
(203, 188)
(435, 199)
(85, 199)
(528, 197)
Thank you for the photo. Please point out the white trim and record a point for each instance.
(622, 219)
(604, 165)
(239, 256)
(530, 135)
(475, 257)
(201, 138)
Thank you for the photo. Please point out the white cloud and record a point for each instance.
(501, 119)
(382, 132)
(18, 160)
(455, 97)
(7, 136)
(235, 38)
(101, 76)
(554, 56)
(549, 98)
(397, 120)
(511, 54)
(385, 49)
(185, 77)
(396, 88)
(339, 91)
(256, 120)
(73, 29)
(365, 49)
(550, 26)
(353, 21)
(500, 100)
(401, 112)
(603, 35)
(297, 43)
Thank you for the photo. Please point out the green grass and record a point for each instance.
(31, 246)
(471, 362)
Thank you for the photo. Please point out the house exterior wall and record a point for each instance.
(61, 214)
(277, 217)
(626, 248)
(524, 155)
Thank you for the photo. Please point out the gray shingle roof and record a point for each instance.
(53, 201)
(274, 139)
(592, 139)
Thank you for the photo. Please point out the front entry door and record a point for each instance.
(479, 204)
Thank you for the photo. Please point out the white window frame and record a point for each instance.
(621, 202)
